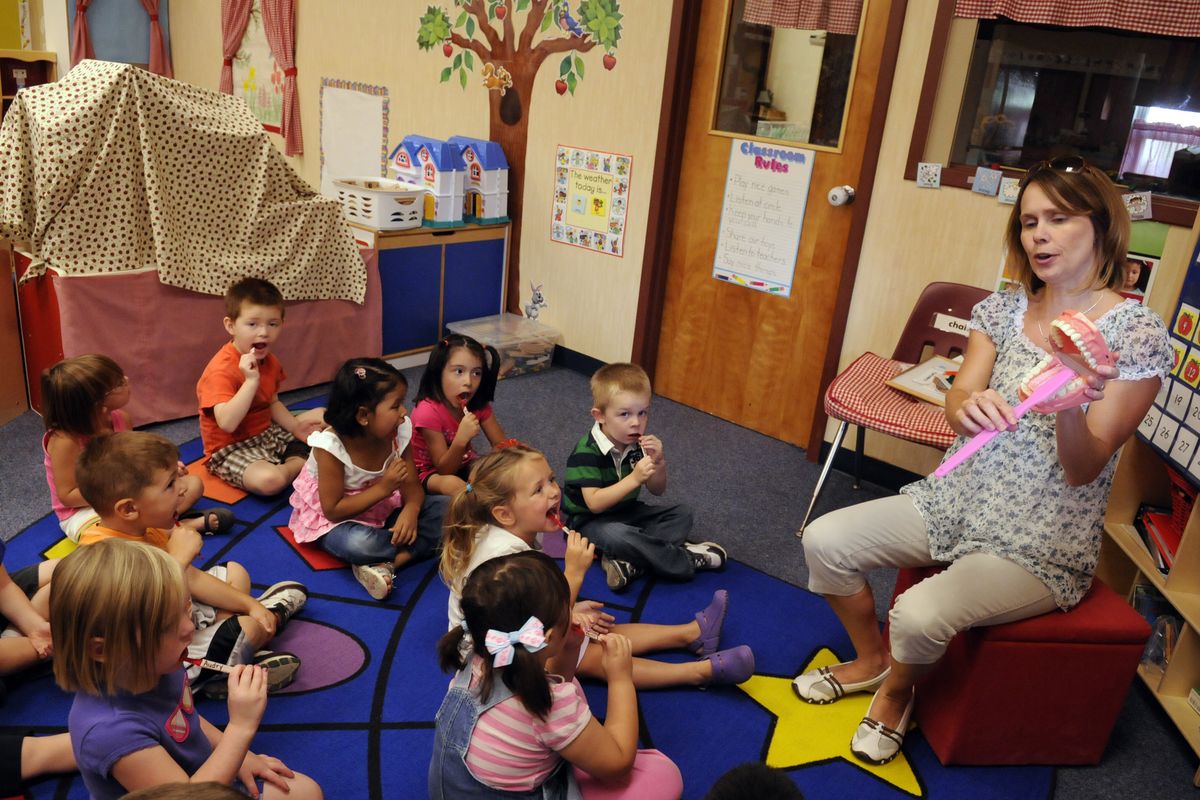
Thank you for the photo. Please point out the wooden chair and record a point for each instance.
(859, 393)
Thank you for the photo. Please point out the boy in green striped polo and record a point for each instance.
(605, 475)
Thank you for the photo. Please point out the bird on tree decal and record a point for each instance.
(516, 37)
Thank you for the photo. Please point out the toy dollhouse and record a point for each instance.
(438, 167)
(486, 180)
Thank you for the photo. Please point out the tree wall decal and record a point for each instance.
(484, 35)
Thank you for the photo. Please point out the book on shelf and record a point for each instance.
(929, 380)
(1159, 544)
(1149, 602)
(1194, 700)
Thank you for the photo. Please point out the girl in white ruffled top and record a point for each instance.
(358, 496)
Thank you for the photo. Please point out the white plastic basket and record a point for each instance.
(381, 203)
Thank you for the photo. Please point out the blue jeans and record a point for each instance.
(650, 537)
(356, 543)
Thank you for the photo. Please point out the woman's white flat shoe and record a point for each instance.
(875, 742)
(819, 685)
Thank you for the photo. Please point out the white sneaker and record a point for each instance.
(875, 742)
(375, 578)
(706, 555)
(285, 599)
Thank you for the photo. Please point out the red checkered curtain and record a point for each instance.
(81, 39)
(1162, 17)
(235, 15)
(160, 62)
(279, 21)
(835, 16)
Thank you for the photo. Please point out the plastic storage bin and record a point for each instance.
(525, 345)
(381, 203)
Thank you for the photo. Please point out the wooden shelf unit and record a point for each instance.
(1141, 477)
(39, 66)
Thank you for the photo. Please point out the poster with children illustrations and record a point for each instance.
(591, 198)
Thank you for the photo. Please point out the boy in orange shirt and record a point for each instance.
(131, 480)
(250, 438)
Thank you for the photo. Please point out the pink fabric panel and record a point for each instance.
(235, 15)
(1164, 17)
(279, 21)
(160, 63)
(81, 40)
(163, 336)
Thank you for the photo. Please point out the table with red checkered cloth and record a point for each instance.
(859, 395)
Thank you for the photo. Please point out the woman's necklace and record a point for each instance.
(1085, 312)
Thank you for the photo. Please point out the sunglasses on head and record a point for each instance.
(1061, 164)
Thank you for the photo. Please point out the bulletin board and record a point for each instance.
(591, 199)
(1172, 426)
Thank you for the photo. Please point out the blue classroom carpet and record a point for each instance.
(359, 718)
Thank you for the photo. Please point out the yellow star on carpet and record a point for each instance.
(808, 734)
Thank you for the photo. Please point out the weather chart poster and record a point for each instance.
(591, 197)
(1172, 426)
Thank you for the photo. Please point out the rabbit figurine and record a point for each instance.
(536, 302)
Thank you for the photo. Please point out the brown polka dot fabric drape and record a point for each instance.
(113, 169)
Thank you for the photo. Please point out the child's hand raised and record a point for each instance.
(652, 446)
(248, 364)
(247, 695)
(184, 544)
(618, 657)
(644, 470)
(395, 475)
(580, 554)
(468, 428)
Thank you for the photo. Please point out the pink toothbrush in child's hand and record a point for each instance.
(1044, 392)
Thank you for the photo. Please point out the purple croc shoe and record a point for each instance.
(710, 620)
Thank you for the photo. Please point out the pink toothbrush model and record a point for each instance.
(1077, 350)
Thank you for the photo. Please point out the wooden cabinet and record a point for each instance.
(22, 68)
(1141, 477)
(431, 277)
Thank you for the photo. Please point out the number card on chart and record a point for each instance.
(1172, 426)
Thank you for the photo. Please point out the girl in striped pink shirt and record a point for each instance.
(507, 726)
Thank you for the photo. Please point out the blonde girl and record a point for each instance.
(83, 397)
(121, 622)
(358, 494)
(511, 499)
(454, 403)
(510, 724)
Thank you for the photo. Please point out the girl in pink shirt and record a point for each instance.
(454, 403)
(509, 726)
(82, 397)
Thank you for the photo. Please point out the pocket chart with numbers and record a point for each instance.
(1172, 425)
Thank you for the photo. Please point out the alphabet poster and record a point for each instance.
(1172, 425)
(766, 190)
(591, 198)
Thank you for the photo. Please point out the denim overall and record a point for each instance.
(449, 778)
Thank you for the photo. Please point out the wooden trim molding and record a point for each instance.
(664, 188)
(1171, 210)
(883, 94)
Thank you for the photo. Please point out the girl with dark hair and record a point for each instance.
(507, 725)
(454, 403)
(358, 494)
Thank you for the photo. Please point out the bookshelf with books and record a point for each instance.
(1125, 562)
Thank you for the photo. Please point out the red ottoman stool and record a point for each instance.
(1045, 690)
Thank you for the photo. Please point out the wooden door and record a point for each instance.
(753, 358)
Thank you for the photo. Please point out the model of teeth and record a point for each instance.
(1077, 344)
